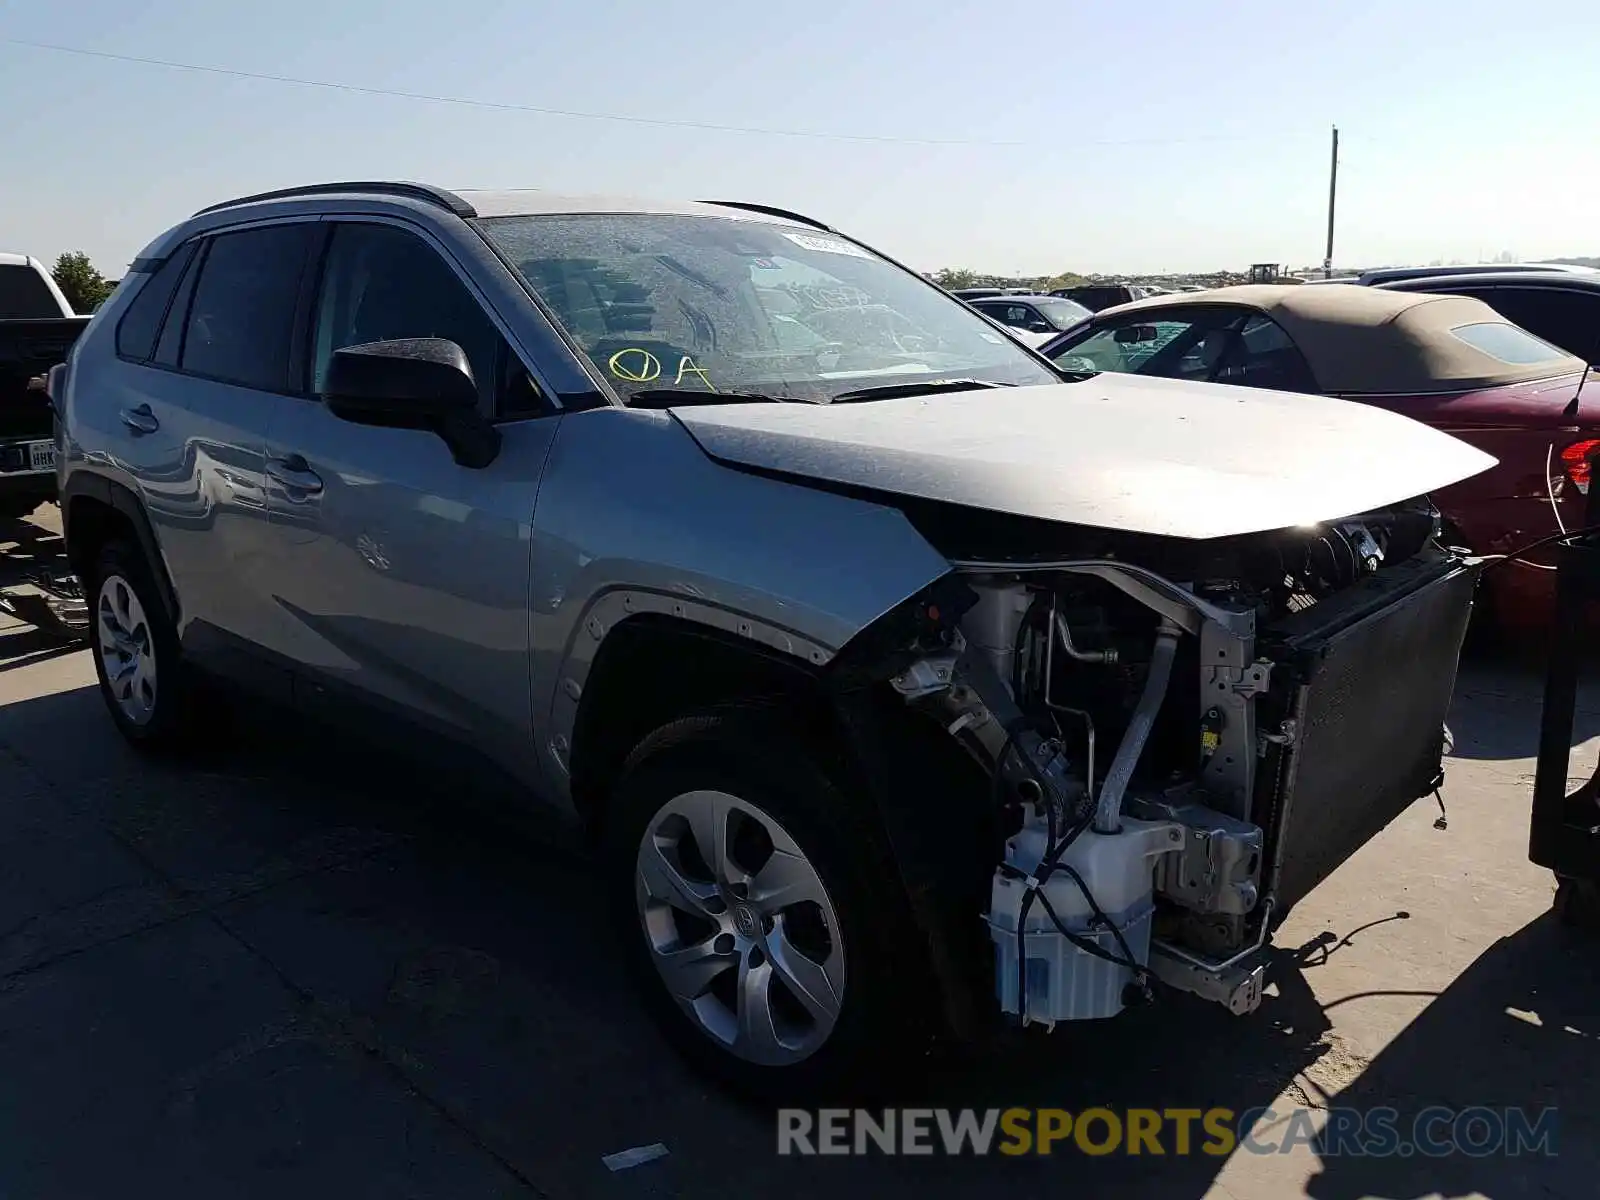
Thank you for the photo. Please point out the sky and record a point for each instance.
(1146, 136)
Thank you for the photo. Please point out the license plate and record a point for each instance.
(41, 456)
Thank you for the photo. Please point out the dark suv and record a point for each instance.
(1561, 307)
(1097, 297)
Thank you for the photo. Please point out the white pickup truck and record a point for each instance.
(37, 329)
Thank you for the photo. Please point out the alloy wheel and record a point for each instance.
(740, 927)
(127, 650)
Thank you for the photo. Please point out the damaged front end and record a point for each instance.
(1182, 738)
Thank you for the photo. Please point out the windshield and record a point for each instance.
(1063, 313)
(664, 301)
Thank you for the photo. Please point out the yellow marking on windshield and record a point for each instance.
(686, 366)
(636, 365)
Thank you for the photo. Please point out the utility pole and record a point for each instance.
(1333, 191)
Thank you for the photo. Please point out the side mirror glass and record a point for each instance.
(413, 383)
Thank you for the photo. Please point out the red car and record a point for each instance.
(1448, 361)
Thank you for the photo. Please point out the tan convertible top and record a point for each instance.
(1363, 339)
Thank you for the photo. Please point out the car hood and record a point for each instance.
(1122, 452)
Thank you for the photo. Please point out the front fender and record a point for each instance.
(632, 517)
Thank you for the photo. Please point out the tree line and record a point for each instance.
(80, 281)
(963, 277)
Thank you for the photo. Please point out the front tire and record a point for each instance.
(756, 912)
(143, 680)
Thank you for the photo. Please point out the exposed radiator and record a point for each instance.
(1366, 679)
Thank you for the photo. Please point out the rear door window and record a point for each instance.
(1262, 355)
(1174, 345)
(242, 314)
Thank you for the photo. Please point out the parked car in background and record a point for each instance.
(1033, 314)
(1561, 307)
(1450, 361)
(1098, 296)
(977, 293)
(1382, 275)
(784, 623)
(27, 292)
(37, 328)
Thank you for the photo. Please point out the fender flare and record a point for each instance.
(123, 501)
(608, 609)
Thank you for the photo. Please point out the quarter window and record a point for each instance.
(243, 309)
(178, 315)
(1566, 318)
(1508, 343)
(141, 324)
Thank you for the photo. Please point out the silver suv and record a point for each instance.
(901, 682)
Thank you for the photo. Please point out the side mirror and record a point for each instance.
(1131, 335)
(413, 383)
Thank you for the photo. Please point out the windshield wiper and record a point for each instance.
(930, 387)
(670, 397)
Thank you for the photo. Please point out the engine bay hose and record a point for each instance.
(1108, 811)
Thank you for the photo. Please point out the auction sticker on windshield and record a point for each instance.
(808, 241)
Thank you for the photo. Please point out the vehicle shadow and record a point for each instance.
(470, 953)
(1497, 706)
(26, 548)
(1520, 1028)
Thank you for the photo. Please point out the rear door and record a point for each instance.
(400, 577)
(194, 411)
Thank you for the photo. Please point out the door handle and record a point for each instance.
(141, 420)
(295, 474)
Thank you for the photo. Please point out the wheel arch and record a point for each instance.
(650, 659)
(924, 800)
(94, 510)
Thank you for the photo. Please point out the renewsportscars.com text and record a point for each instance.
(1330, 1133)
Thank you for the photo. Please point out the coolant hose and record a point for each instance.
(1108, 812)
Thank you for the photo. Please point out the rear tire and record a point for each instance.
(146, 686)
(795, 994)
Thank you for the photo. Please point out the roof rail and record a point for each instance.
(770, 211)
(411, 191)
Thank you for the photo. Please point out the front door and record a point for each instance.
(402, 577)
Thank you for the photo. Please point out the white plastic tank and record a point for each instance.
(1064, 982)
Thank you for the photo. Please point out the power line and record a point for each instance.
(472, 102)
(576, 114)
